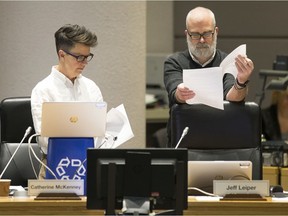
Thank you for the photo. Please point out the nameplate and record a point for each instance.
(35, 187)
(223, 187)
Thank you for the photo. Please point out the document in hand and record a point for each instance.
(117, 127)
(207, 82)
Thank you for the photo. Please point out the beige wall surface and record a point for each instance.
(127, 31)
(262, 25)
(160, 29)
(28, 50)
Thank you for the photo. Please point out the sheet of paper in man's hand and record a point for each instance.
(228, 64)
(207, 82)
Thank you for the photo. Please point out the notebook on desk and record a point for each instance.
(202, 173)
(73, 119)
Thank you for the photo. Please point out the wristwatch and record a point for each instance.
(243, 85)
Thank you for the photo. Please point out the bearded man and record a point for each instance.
(201, 35)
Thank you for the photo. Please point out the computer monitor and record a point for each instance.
(116, 177)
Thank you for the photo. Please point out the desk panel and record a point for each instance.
(236, 207)
(28, 206)
(157, 115)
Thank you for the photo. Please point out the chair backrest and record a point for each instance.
(16, 117)
(20, 170)
(230, 134)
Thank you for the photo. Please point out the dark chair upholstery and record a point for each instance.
(20, 169)
(16, 117)
(230, 134)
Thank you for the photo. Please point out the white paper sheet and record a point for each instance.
(283, 199)
(207, 82)
(206, 198)
(118, 128)
(228, 64)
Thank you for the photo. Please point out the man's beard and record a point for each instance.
(202, 50)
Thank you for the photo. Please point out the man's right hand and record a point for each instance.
(183, 93)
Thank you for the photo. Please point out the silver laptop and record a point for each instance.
(73, 119)
(202, 173)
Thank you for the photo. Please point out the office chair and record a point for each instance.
(20, 169)
(230, 134)
(15, 118)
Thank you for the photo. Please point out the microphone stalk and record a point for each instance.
(27, 132)
(184, 133)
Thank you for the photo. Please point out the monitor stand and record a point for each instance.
(136, 206)
(180, 179)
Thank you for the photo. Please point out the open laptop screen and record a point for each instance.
(73, 119)
(202, 173)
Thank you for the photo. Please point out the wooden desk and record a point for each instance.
(157, 115)
(27, 206)
(236, 207)
(272, 174)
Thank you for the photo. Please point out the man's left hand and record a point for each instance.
(245, 67)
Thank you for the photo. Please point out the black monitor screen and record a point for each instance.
(113, 175)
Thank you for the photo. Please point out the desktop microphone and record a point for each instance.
(184, 133)
(27, 132)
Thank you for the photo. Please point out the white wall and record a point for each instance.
(28, 50)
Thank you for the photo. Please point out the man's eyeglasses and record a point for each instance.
(81, 58)
(197, 36)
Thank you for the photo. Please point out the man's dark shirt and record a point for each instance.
(173, 75)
